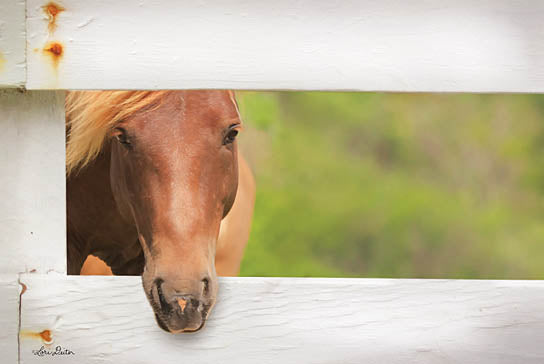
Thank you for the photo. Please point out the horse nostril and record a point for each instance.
(162, 300)
(195, 304)
(206, 286)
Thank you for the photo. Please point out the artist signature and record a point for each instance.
(59, 350)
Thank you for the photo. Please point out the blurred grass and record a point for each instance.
(395, 185)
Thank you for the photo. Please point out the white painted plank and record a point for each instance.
(32, 181)
(275, 320)
(9, 318)
(413, 45)
(12, 43)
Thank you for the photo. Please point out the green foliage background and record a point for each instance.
(395, 185)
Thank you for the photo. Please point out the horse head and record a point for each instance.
(174, 174)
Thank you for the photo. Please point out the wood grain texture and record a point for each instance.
(32, 181)
(12, 43)
(9, 318)
(282, 320)
(390, 45)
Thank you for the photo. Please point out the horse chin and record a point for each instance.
(174, 327)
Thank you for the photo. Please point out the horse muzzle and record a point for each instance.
(177, 312)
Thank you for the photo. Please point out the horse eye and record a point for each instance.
(122, 137)
(230, 137)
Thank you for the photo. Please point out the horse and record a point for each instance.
(155, 187)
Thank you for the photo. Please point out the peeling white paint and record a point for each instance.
(85, 23)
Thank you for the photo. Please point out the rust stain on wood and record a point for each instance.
(54, 50)
(46, 336)
(52, 9)
(23, 290)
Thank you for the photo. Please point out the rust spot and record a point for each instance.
(46, 336)
(52, 10)
(54, 50)
(23, 290)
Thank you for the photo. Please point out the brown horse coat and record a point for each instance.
(233, 233)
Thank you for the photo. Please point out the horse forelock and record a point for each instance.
(90, 115)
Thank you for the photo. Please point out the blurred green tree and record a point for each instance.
(395, 185)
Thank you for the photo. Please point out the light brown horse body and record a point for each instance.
(155, 187)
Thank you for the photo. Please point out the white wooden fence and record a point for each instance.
(365, 45)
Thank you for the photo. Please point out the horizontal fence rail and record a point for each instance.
(389, 45)
(285, 320)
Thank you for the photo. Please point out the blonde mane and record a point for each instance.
(91, 115)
